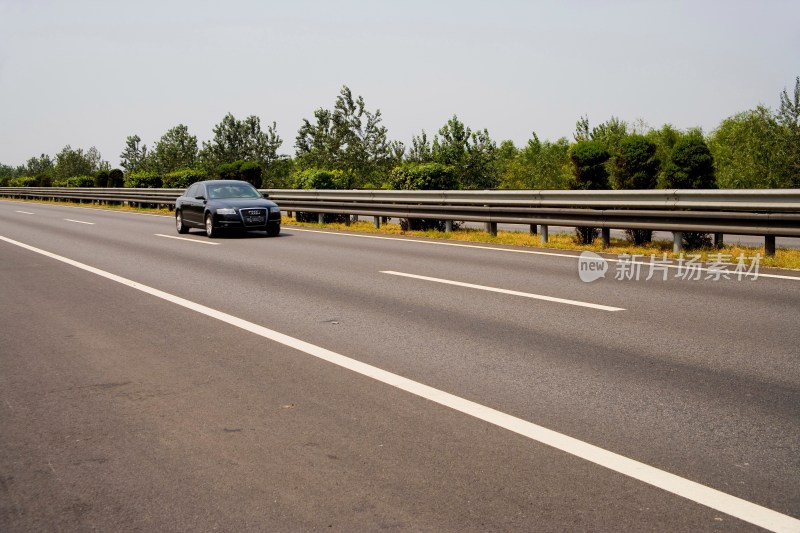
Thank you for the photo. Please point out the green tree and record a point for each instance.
(75, 162)
(248, 171)
(420, 151)
(349, 138)
(749, 151)
(39, 166)
(7, 171)
(133, 157)
(471, 153)
(690, 164)
(540, 165)
(176, 150)
(279, 174)
(789, 118)
(241, 140)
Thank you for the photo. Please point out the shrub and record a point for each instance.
(588, 166)
(4, 181)
(317, 178)
(690, 165)
(248, 171)
(423, 176)
(693, 240)
(76, 181)
(181, 179)
(636, 167)
(23, 181)
(116, 178)
(101, 178)
(146, 180)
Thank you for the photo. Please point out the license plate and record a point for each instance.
(254, 220)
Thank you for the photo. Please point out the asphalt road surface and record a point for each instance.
(327, 381)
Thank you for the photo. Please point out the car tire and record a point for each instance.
(179, 224)
(273, 230)
(211, 231)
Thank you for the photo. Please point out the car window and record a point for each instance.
(232, 190)
(191, 192)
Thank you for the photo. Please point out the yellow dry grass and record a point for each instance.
(784, 257)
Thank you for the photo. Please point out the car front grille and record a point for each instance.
(253, 216)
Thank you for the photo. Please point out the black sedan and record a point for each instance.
(226, 204)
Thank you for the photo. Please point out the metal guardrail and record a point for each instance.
(763, 212)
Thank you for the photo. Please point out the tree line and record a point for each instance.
(347, 146)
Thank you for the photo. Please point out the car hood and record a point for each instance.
(239, 203)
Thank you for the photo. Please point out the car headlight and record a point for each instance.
(226, 211)
(275, 209)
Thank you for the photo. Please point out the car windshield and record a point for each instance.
(234, 190)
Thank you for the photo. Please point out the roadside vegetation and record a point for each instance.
(348, 147)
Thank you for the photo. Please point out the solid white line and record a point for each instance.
(185, 239)
(25, 212)
(509, 250)
(715, 499)
(505, 291)
(79, 221)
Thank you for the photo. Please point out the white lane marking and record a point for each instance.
(79, 221)
(25, 212)
(505, 291)
(696, 492)
(185, 239)
(514, 250)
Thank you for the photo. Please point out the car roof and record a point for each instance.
(223, 182)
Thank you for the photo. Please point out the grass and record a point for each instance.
(786, 258)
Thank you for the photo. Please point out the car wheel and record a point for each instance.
(179, 225)
(210, 230)
(273, 230)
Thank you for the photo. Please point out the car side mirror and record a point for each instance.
(201, 197)
(265, 195)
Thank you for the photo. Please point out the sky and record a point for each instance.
(91, 72)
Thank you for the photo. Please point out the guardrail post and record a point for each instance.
(448, 226)
(321, 218)
(677, 241)
(533, 229)
(289, 214)
(545, 236)
(606, 233)
(491, 228)
(769, 245)
(719, 240)
(347, 220)
(377, 222)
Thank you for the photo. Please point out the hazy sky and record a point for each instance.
(90, 73)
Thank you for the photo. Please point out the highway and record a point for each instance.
(351, 382)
